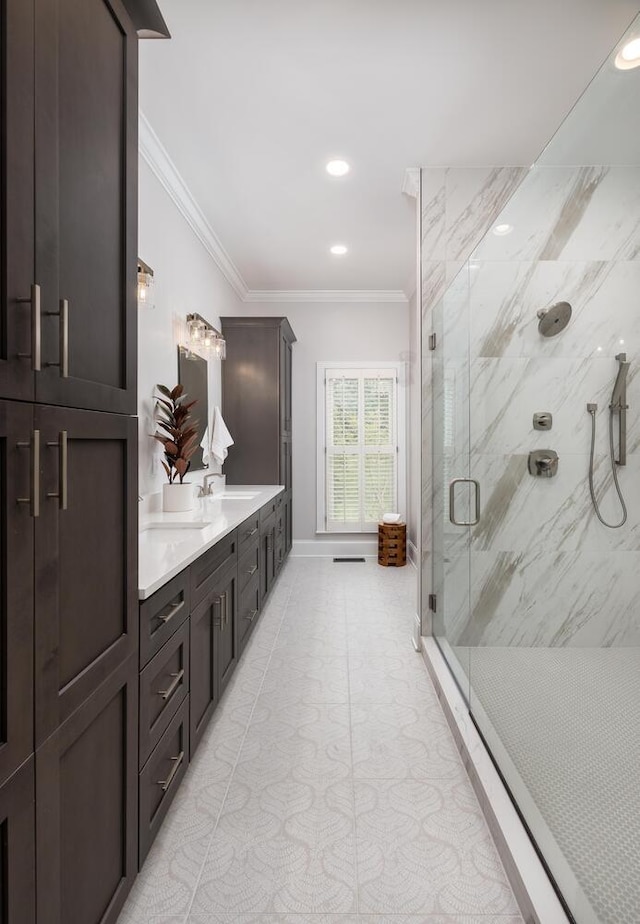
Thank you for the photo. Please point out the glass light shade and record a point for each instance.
(219, 348)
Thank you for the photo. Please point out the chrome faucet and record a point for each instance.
(205, 489)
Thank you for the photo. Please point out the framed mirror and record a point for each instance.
(192, 374)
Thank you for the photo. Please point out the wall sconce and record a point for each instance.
(145, 285)
(204, 338)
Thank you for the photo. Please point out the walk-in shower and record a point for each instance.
(534, 604)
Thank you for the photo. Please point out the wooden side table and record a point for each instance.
(392, 544)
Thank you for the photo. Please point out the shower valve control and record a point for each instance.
(543, 463)
(543, 421)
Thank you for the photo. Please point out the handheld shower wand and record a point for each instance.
(617, 405)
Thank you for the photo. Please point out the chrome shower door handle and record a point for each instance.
(452, 501)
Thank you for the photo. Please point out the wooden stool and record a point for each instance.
(392, 544)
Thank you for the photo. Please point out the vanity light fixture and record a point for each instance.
(629, 55)
(339, 250)
(501, 230)
(145, 284)
(204, 338)
(338, 168)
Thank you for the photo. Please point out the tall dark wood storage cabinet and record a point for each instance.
(68, 457)
(256, 405)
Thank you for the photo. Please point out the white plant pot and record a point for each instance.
(177, 498)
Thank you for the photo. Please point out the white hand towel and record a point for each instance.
(205, 445)
(221, 438)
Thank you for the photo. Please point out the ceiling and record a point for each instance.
(250, 98)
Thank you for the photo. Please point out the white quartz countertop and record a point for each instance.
(170, 542)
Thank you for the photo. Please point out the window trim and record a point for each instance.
(321, 439)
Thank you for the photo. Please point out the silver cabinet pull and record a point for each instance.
(36, 333)
(226, 608)
(252, 570)
(252, 615)
(63, 470)
(175, 683)
(165, 784)
(171, 612)
(251, 532)
(63, 349)
(34, 500)
(452, 502)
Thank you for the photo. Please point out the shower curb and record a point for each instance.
(533, 891)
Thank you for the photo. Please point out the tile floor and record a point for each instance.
(327, 787)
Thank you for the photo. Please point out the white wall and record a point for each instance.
(186, 280)
(329, 332)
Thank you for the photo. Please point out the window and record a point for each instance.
(361, 445)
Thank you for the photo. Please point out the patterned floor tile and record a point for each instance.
(287, 847)
(392, 741)
(389, 679)
(304, 742)
(424, 848)
(307, 678)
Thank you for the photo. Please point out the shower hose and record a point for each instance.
(614, 469)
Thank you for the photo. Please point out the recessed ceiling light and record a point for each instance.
(338, 168)
(629, 55)
(501, 230)
(339, 250)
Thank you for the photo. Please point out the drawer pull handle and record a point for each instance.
(177, 761)
(34, 500)
(253, 569)
(251, 532)
(33, 299)
(175, 683)
(171, 612)
(63, 314)
(252, 615)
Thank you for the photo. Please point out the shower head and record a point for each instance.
(619, 395)
(554, 319)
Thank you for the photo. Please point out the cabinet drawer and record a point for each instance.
(268, 511)
(163, 685)
(162, 614)
(207, 569)
(248, 533)
(248, 609)
(161, 776)
(249, 566)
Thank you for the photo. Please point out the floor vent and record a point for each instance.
(349, 559)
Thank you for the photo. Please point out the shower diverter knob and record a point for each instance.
(543, 463)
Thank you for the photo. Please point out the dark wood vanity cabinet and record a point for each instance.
(86, 808)
(86, 547)
(256, 399)
(69, 212)
(17, 847)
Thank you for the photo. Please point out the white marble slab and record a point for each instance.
(162, 556)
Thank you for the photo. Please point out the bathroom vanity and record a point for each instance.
(203, 581)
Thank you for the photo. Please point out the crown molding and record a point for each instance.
(157, 157)
(326, 295)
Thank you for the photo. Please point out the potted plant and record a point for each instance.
(179, 440)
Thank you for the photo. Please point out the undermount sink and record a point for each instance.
(178, 524)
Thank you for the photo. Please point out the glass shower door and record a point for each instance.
(454, 495)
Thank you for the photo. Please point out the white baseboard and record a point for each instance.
(412, 553)
(314, 548)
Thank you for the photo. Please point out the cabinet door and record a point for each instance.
(17, 848)
(86, 808)
(267, 561)
(288, 523)
(18, 463)
(86, 202)
(227, 630)
(17, 335)
(203, 665)
(86, 542)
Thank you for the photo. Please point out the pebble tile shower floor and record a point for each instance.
(327, 788)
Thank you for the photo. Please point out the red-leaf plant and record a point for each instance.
(180, 436)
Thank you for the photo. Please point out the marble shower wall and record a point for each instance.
(457, 207)
(542, 570)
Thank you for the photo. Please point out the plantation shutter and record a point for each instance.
(361, 448)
